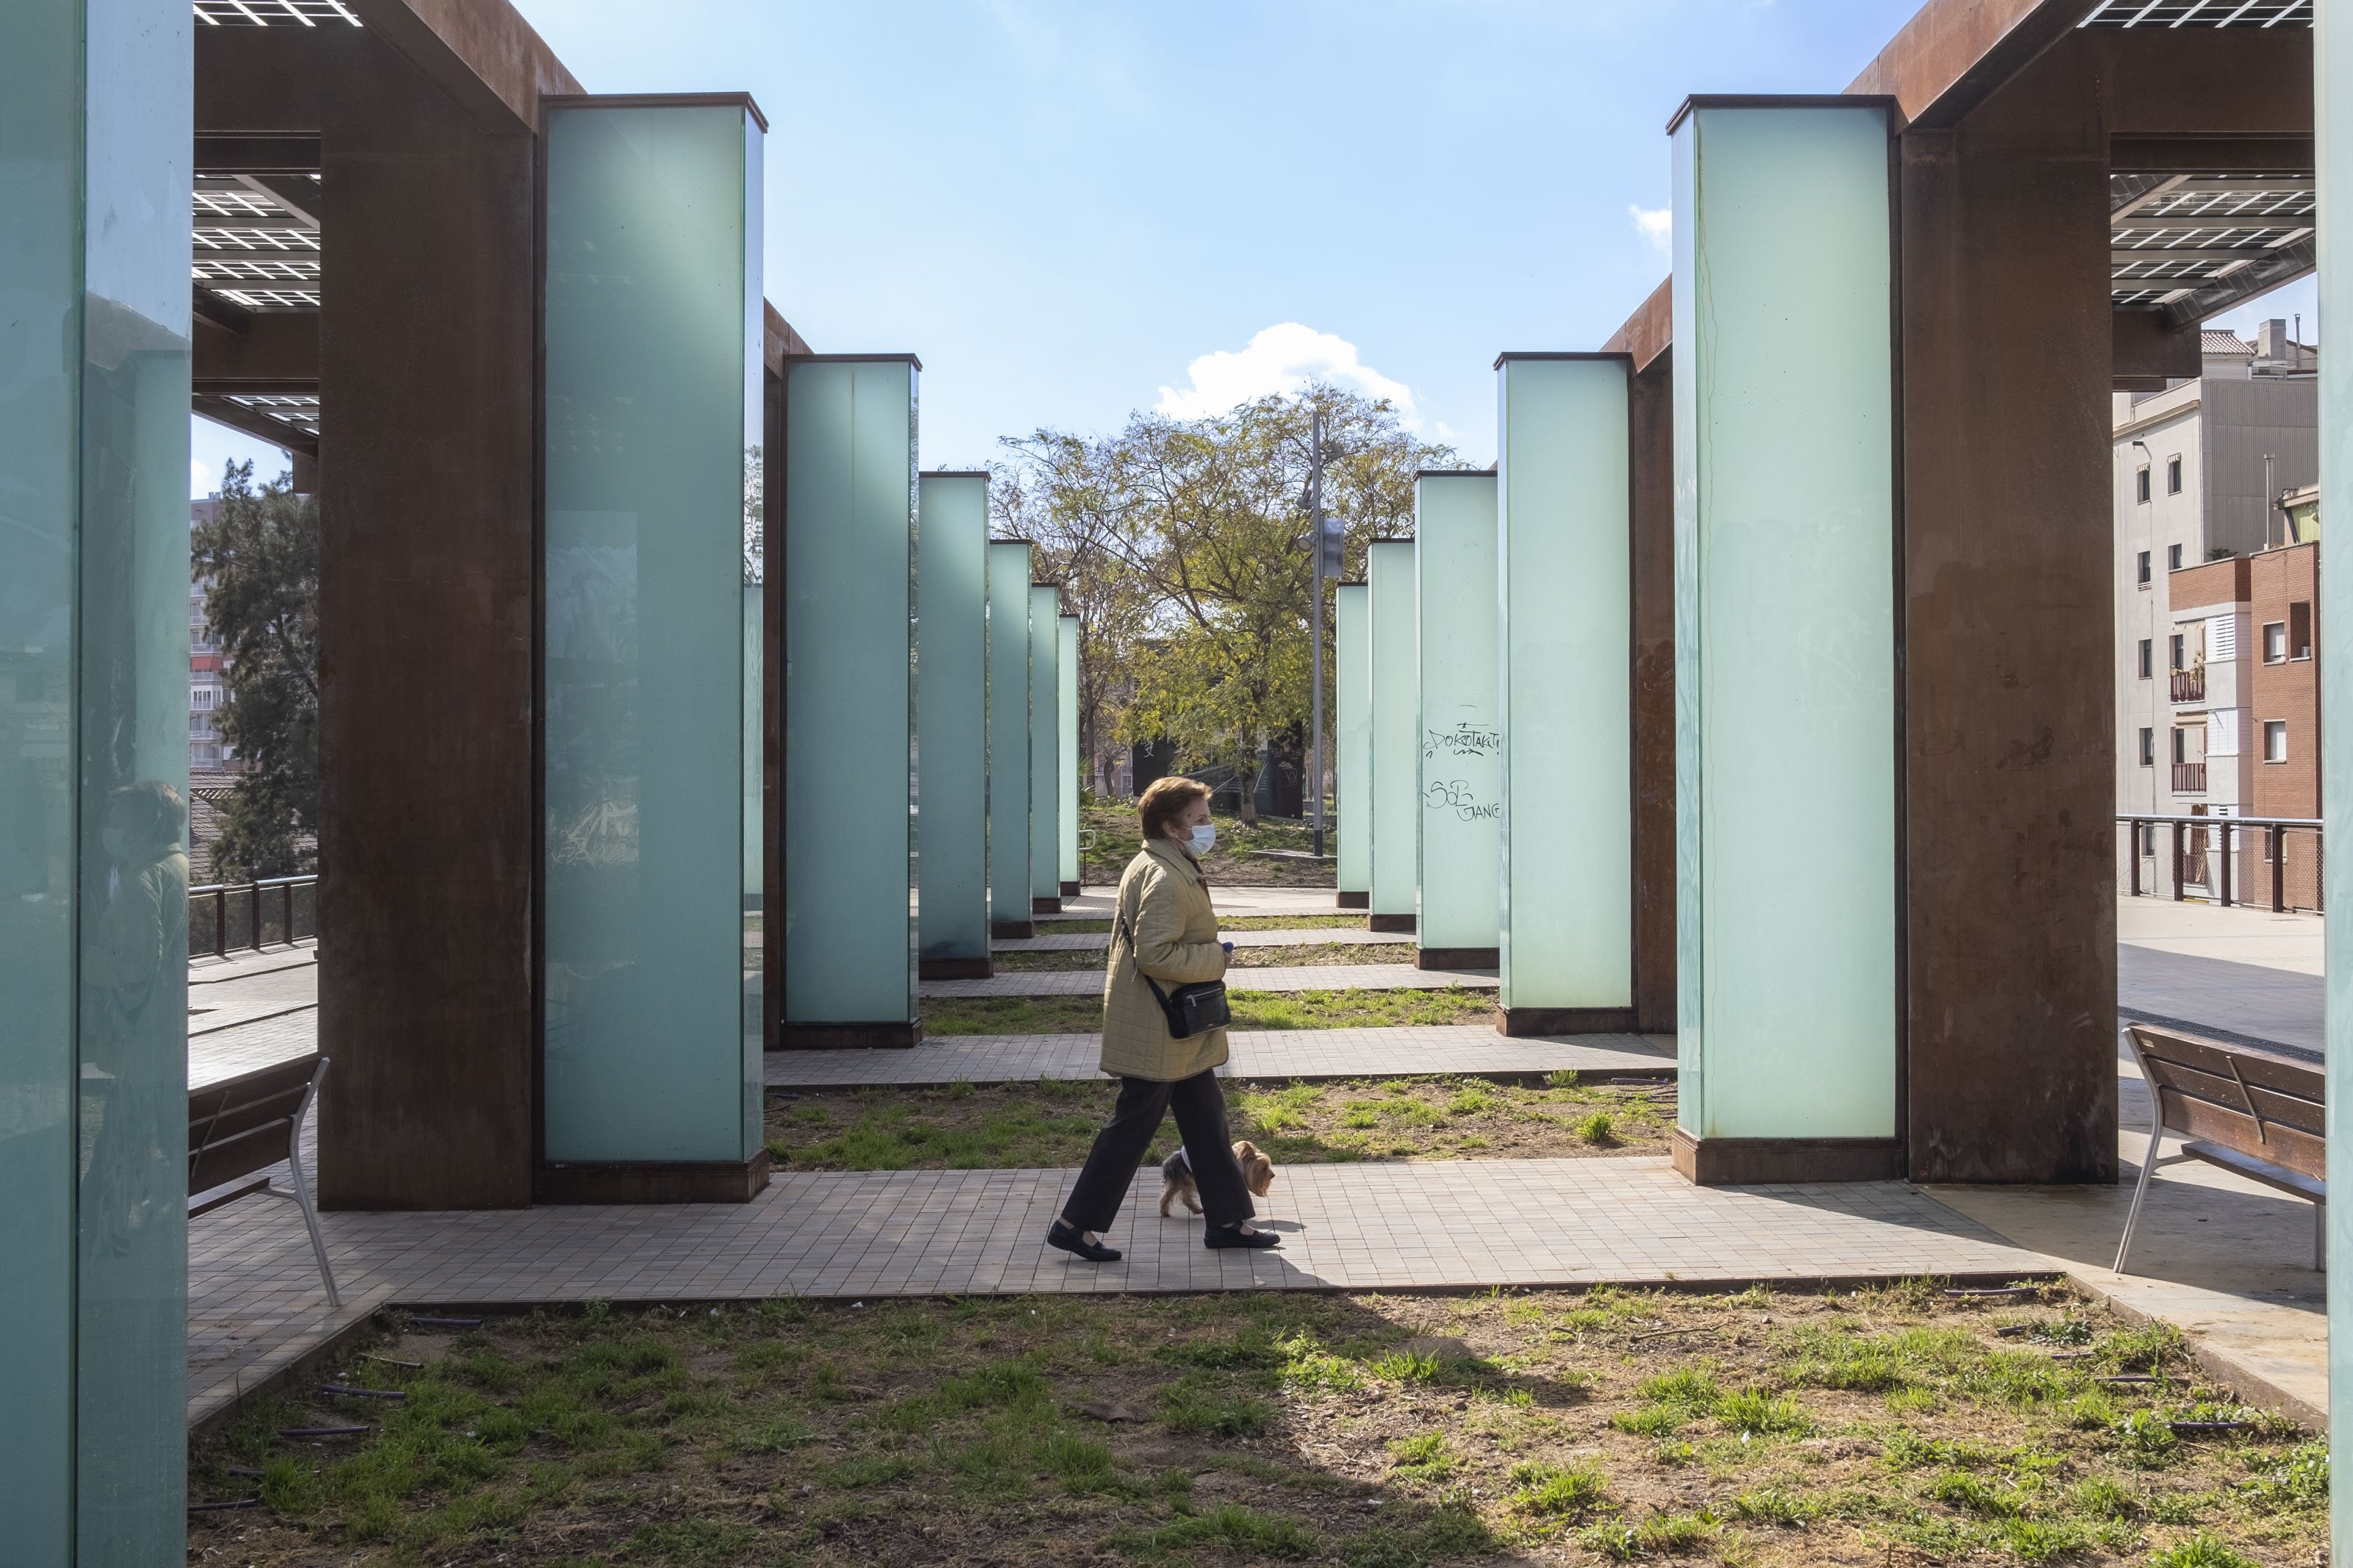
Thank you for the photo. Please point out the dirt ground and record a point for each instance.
(1900, 1426)
(1306, 954)
(1355, 1008)
(1053, 1122)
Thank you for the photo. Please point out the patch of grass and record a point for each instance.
(2201, 1551)
(1209, 1406)
(1561, 1493)
(1660, 1535)
(1599, 1129)
(1752, 1411)
(1777, 1505)
(1421, 1458)
(1357, 1008)
(1230, 1528)
(1384, 1430)
(1448, 1533)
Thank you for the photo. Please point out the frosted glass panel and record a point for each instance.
(1066, 685)
(93, 783)
(1008, 731)
(850, 707)
(1045, 745)
(952, 589)
(1397, 726)
(1461, 777)
(1352, 756)
(2333, 125)
(654, 342)
(1785, 637)
(1567, 701)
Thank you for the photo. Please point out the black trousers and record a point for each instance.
(1200, 1108)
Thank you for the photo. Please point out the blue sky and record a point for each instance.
(1072, 211)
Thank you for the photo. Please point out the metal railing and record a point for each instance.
(2189, 685)
(226, 916)
(2204, 850)
(2190, 778)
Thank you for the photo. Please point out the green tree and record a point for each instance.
(259, 561)
(1200, 530)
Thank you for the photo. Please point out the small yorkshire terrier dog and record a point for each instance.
(1258, 1173)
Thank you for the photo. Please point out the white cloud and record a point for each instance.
(1282, 358)
(1658, 227)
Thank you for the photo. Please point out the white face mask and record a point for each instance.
(1205, 837)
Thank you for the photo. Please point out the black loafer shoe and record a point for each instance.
(1076, 1243)
(1232, 1236)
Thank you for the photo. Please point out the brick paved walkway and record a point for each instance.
(1297, 977)
(1474, 1049)
(255, 1303)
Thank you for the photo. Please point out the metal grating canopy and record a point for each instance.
(2200, 14)
(2193, 244)
(274, 13)
(301, 412)
(254, 247)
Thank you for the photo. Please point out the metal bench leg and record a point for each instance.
(2148, 1156)
(301, 1194)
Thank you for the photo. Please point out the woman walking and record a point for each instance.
(1162, 930)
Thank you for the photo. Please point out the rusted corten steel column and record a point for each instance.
(2006, 346)
(1645, 339)
(1651, 417)
(427, 837)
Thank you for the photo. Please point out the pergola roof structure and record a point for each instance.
(273, 13)
(2195, 244)
(2200, 14)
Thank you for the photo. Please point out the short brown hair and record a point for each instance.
(1165, 799)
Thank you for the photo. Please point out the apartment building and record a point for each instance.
(2217, 703)
(207, 687)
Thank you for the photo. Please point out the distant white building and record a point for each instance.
(207, 669)
(2200, 470)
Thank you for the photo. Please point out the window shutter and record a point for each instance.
(2221, 639)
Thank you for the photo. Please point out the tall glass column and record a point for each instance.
(952, 725)
(1352, 761)
(1785, 642)
(1392, 630)
(95, 108)
(1045, 749)
(1565, 596)
(1066, 710)
(850, 702)
(650, 651)
(2332, 104)
(1009, 739)
(1460, 783)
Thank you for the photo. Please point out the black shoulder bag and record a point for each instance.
(1191, 1010)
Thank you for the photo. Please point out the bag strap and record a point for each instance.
(1130, 932)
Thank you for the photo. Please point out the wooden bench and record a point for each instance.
(2256, 1115)
(247, 1124)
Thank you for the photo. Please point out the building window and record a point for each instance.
(2173, 558)
(2180, 745)
(2149, 748)
(2275, 740)
(2142, 568)
(2299, 629)
(2274, 642)
(2147, 657)
(2173, 476)
(2140, 486)
(2173, 651)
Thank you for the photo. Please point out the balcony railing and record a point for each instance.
(2190, 778)
(251, 915)
(2189, 685)
(2205, 849)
